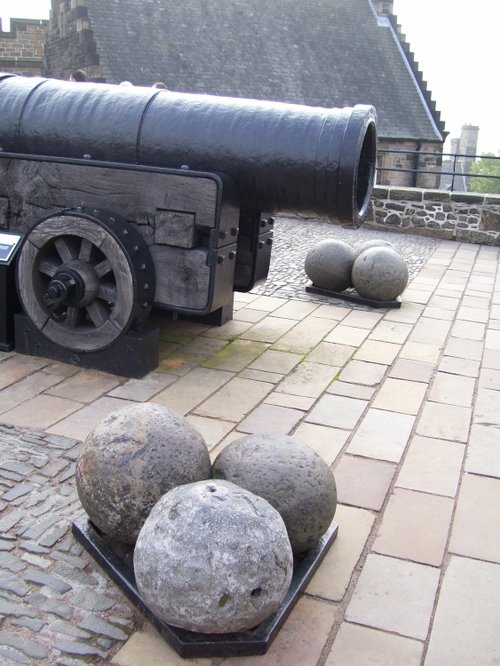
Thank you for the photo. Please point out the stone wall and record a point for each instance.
(408, 163)
(461, 216)
(70, 42)
(21, 48)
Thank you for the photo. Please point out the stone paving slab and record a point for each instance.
(409, 513)
(403, 404)
(394, 595)
(432, 466)
(467, 621)
(359, 646)
(475, 531)
(383, 435)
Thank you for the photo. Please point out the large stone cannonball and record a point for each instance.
(380, 273)
(290, 475)
(132, 458)
(328, 265)
(374, 242)
(213, 558)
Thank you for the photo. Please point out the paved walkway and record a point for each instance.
(405, 406)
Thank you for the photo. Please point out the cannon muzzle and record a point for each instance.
(282, 157)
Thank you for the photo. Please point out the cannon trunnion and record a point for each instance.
(132, 198)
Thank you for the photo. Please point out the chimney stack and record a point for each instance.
(384, 7)
(468, 139)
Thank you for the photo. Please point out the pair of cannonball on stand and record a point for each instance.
(376, 270)
(214, 545)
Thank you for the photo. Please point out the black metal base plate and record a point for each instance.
(354, 297)
(188, 644)
(216, 318)
(132, 355)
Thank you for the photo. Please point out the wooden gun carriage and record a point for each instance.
(132, 198)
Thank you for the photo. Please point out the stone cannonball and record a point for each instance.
(328, 265)
(380, 273)
(290, 475)
(132, 458)
(213, 558)
(374, 242)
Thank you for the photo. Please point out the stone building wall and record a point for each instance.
(21, 48)
(408, 163)
(473, 218)
(70, 42)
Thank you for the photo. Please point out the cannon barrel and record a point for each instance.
(283, 157)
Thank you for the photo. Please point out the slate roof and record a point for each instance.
(317, 52)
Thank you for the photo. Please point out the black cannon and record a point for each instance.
(132, 198)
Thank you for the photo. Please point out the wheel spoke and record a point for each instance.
(64, 249)
(107, 291)
(73, 317)
(103, 268)
(48, 267)
(98, 313)
(85, 250)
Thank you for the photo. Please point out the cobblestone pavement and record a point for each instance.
(403, 404)
(55, 607)
(295, 236)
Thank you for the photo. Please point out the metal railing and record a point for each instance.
(457, 172)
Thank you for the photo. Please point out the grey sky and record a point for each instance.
(456, 44)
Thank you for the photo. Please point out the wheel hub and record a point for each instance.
(75, 284)
(65, 288)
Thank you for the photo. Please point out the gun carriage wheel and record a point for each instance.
(84, 278)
